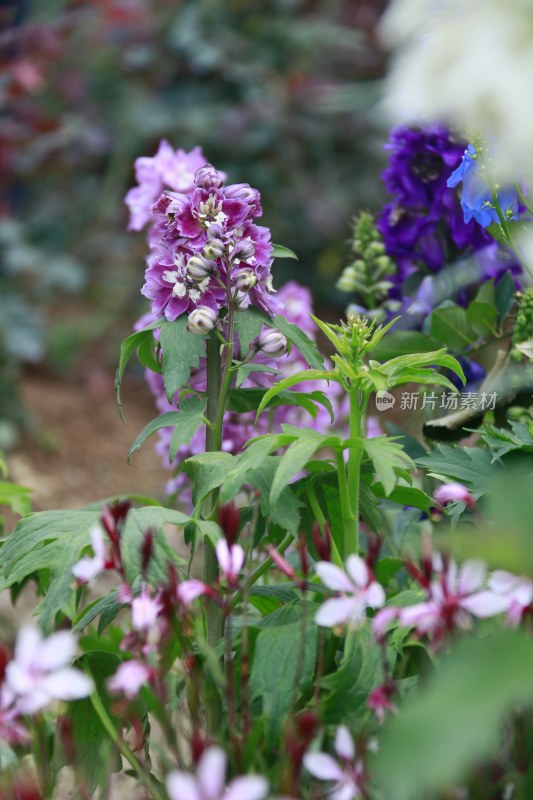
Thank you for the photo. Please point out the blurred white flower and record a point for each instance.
(209, 783)
(358, 591)
(39, 672)
(347, 772)
(129, 678)
(469, 64)
(86, 569)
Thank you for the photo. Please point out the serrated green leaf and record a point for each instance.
(15, 497)
(129, 346)
(292, 380)
(181, 353)
(387, 457)
(482, 318)
(279, 251)
(450, 326)
(469, 465)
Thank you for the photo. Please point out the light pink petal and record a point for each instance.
(19, 679)
(31, 703)
(375, 595)
(223, 556)
(27, 646)
(382, 620)
(56, 651)
(333, 577)
(502, 582)
(323, 766)
(485, 604)
(67, 684)
(190, 590)
(357, 570)
(182, 786)
(344, 745)
(336, 611)
(248, 787)
(86, 569)
(97, 542)
(237, 557)
(211, 773)
(346, 791)
(423, 615)
(471, 576)
(129, 678)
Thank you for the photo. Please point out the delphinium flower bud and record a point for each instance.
(273, 343)
(243, 250)
(199, 268)
(202, 320)
(214, 248)
(245, 279)
(208, 177)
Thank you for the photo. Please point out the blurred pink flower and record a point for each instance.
(453, 493)
(86, 569)
(358, 591)
(129, 678)
(230, 560)
(144, 611)
(209, 783)
(517, 592)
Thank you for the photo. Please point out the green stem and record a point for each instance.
(145, 778)
(507, 235)
(351, 533)
(320, 518)
(346, 512)
(523, 198)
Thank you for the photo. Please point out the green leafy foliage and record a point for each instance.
(455, 720)
(185, 422)
(300, 340)
(469, 465)
(46, 545)
(181, 353)
(15, 497)
(278, 251)
(131, 345)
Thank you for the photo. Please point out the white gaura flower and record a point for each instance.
(209, 782)
(40, 672)
(230, 560)
(346, 771)
(469, 64)
(358, 591)
(86, 569)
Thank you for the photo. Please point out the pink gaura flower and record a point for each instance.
(346, 771)
(40, 672)
(144, 611)
(209, 782)
(358, 591)
(187, 591)
(230, 560)
(453, 493)
(517, 592)
(129, 678)
(87, 569)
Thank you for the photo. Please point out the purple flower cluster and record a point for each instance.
(296, 303)
(424, 227)
(204, 243)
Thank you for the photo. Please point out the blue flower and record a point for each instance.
(476, 199)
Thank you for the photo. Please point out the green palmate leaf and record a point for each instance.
(286, 383)
(49, 543)
(15, 497)
(469, 465)
(300, 340)
(248, 324)
(502, 441)
(450, 326)
(347, 689)
(282, 658)
(279, 251)
(294, 459)
(388, 458)
(185, 422)
(181, 353)
(406, 496)
(128, 347)
(455, 720)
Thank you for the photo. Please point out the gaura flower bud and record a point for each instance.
(207, 177)
(245, 279)
(199, 268)
(202, 320)
(273, 343)
(214, 248)
(243, 250)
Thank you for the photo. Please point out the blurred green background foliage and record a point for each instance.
(281, 94)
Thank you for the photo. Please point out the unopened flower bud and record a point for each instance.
(377, 248)
(272, 342)
(242, 191)
(214, 248)
(199, 268)
(243, 250)
(202, 320)
(207, 177)
(245, 279)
